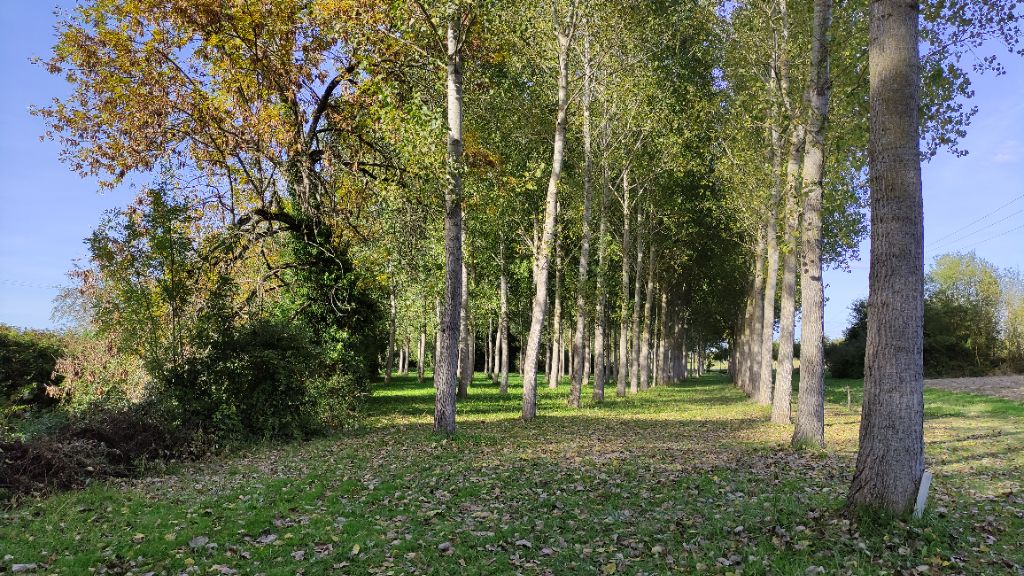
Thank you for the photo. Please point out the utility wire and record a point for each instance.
(979, 230)
(1000, 235)
(980, 219)
(24, 284)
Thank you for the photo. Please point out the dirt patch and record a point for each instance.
(1009, 387)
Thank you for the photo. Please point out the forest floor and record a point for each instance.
(683, 479)
(1010, 386)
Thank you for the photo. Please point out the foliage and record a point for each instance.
(962, 316)
(94, 371)
(845, 357)
(27, 360)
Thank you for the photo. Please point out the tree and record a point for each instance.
(446, 358)
(810, 414)
(890, 460)
(962, 316)
(565, 26)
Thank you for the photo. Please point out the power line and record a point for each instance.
(1000, 235)
(980, 219)
(982, 229)
(25, 284)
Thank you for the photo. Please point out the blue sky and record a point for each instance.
(46, 210)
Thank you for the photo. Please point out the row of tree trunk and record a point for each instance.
(796, 201)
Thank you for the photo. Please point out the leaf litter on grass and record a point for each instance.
(680, 479)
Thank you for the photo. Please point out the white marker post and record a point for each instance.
(922, 494)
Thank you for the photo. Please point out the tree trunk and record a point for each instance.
(634, 329)
(578, 366)
(496, 367)
(623, 364)
(491, 350)
(764, 382)
(810, 412)
(540, 297)
(600, 312)
(757, 321)
(503, 327)
(891, 457)
(389, 362)
(663, 377)
(645, 332)
(448, 329)
(783, 393)
(465, 335)
(437, 336)
(421, 349)
(554, 371)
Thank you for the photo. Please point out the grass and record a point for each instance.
(682, 479)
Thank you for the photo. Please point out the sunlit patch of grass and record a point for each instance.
(689, 478)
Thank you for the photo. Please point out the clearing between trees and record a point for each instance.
(689, 478)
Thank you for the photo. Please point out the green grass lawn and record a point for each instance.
(682, 479)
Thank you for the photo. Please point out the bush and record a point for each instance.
(27, 360)
(845, 358)
(93, 370)
(333, 402)
(266, 379)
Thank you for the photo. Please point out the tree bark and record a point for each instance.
(503, 327)
(389, 363)
(891, 457)
(421, 349)
(448, 329)
(600, 313)
(623, 363)
(764, 382)
(749, 355)
(465, 334)
(663, 377)
(634, 329)
(645, 332)
(579, 365)
(540, 297)
(810, 413)
(492, 349)
(554, 371)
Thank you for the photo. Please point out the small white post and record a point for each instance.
(922, 494)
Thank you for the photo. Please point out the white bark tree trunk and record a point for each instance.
(389, 362)
(764, 382)
(634, 329)
(645, 332)
(623, 363)
(540, 297)
(465, 334)
(580, 334)
(503, 327)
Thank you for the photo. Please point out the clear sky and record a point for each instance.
(46, 211)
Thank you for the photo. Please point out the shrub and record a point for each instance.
(93, 370)
(333, 402)
(845, 358)
(27, 360)
(255, 382)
